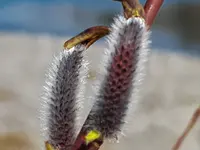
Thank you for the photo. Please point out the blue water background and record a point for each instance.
(56, 17)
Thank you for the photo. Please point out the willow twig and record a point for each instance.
(189, 127)
(87, 37)
(151, 9)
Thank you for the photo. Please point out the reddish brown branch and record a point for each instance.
(87, 37)
(189, 127)
(151, 9)
(130, 7)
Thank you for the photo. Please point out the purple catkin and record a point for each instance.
(125, 62)
(61, 98)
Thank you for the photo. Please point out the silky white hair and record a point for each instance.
(62, 97)
(113, 106)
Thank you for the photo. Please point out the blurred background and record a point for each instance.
(175, 27)
(31, 31)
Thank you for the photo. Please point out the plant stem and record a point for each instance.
(189, 127)
(151, 9)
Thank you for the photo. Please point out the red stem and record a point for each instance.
(151, 9)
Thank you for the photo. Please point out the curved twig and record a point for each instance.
(87, 37)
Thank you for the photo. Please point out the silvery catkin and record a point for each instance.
(63, 93)
(124, 65)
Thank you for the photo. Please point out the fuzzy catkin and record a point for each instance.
(124, 65)
(62, 96)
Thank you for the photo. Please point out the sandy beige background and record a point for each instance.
(169, 96)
